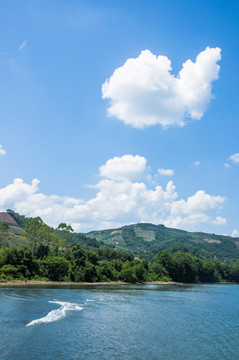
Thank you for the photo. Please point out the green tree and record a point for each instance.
(55, 268)
(90, 272)
(64, 227)
(79, 255)
(127, 273)
(184, 269)
(139, 270)
(39, 233)
(158, 272)
(106, 271)
(8, 272)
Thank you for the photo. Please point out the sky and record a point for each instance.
(121, 112)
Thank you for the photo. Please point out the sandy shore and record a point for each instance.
(31, 283)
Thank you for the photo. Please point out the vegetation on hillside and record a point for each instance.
(58, 255)
(43, 253)
(30, 231)
(145, 240)
(20, 219)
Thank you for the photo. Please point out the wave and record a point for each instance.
(57, 314)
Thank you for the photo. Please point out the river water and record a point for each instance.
(165, 322)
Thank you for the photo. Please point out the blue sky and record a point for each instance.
(97, 154)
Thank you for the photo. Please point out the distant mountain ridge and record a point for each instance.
(145, 239)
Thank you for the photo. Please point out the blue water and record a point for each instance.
(163, 322)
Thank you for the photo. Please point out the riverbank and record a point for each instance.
(32, 283)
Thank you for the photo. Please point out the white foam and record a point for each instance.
(57, 314)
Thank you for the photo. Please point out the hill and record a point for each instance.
(145, 240)
(12, 233)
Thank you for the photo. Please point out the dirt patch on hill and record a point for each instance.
(212, 241)
(7, 218)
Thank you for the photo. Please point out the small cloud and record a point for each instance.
(125, 167)
(166, 172)
(227, 165)
(2, 151)
(23, 44)
(234, 158)
(235, 233)
(196, 163)
(219, 221)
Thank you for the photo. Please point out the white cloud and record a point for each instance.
(23, 44)
(17, 192)
(143, 92)
(125, 167)
(219, 221)
(196, 163)
(166, 172)
(235, 233)
(119, 200)
(227, 165)
(195, 210)
(234, 158)
(2, 151)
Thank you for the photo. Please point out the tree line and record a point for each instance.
(104, 264)
(53, 255)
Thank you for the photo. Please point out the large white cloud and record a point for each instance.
(143, 92)
(119, 200)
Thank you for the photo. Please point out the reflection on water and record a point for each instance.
(120, 322)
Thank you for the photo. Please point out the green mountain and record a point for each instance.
(12, 233)
(145, 240)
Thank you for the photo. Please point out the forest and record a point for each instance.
(61, 255)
